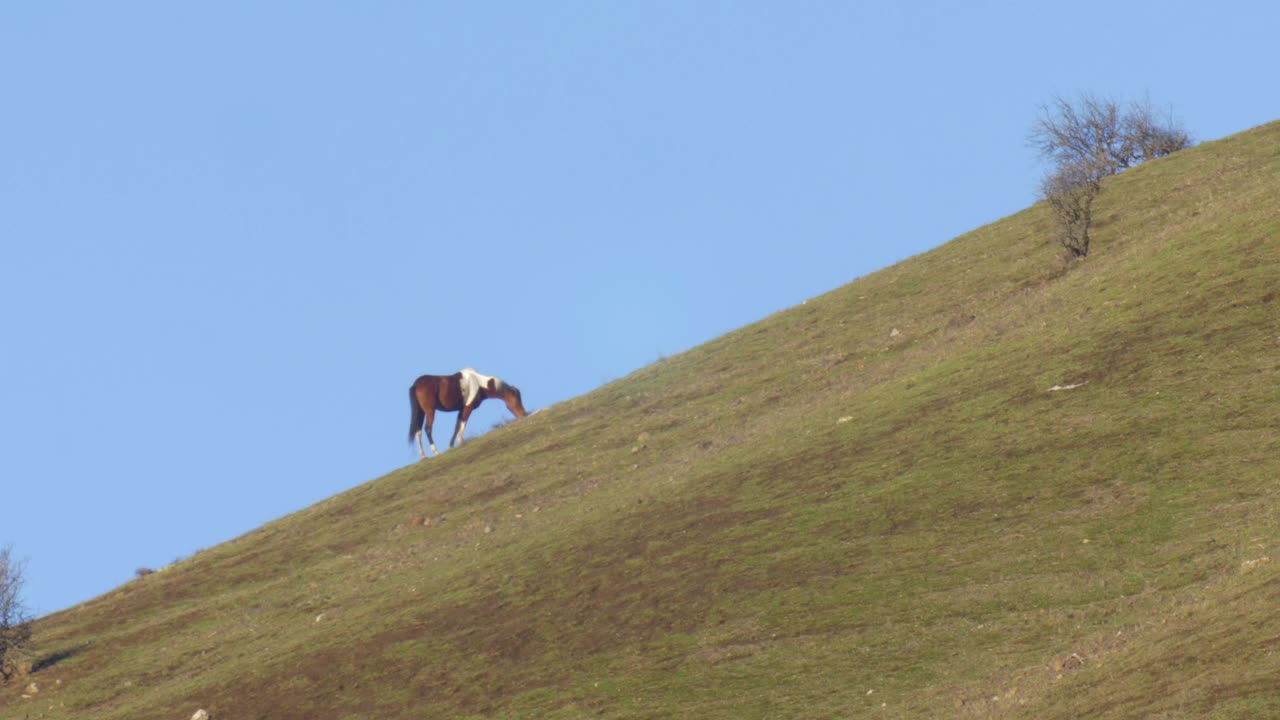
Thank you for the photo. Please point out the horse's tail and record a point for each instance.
(416, 414)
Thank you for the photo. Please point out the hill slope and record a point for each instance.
(872, 502)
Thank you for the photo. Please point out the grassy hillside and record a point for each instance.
(869, 505)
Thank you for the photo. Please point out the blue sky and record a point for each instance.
(233, 233)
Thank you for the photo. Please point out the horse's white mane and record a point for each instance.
(472, 381)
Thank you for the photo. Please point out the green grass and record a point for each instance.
(809, 517)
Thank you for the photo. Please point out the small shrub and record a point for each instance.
(15, 623)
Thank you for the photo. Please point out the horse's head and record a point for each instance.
(508, 393)
(511, 397)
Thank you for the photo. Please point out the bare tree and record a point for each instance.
(1086, 140)
(15, 624)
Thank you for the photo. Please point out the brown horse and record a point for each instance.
(460, 392)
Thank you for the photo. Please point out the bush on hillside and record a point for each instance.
(1088, 139)
(15, 624)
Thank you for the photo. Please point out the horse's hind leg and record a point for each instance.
(431, 418)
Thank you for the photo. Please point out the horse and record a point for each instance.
(460, 392)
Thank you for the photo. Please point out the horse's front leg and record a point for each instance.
(463, 415)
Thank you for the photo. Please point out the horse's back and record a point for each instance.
(444, 391)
